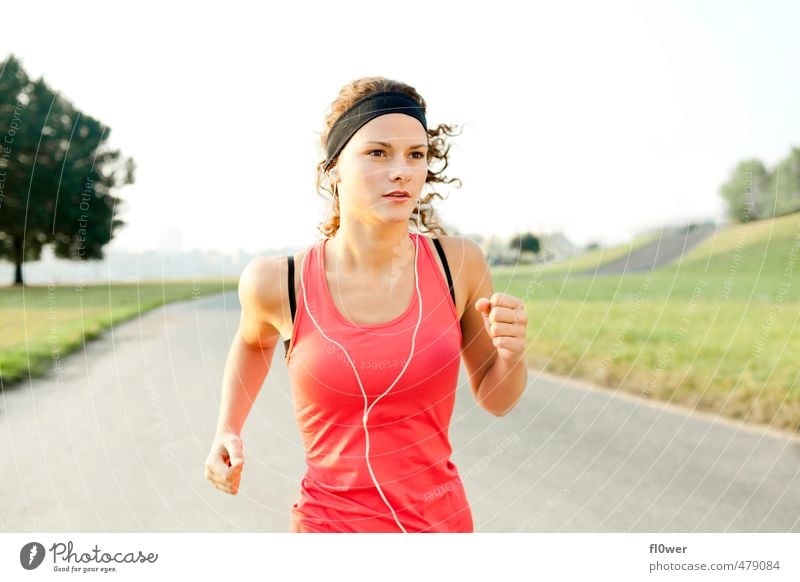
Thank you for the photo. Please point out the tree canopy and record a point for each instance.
(57, 174)
(527, 242)
(754, 192)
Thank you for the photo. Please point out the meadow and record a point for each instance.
(42, 323)
(717, 331)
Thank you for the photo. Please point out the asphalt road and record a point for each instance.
(116, 442)
(668, 247)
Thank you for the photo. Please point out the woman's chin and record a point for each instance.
(394, 214)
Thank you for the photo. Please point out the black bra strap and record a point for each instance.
(292, 302)
(442, 256)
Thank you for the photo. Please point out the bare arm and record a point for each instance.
(245, 370)
(503, 386)
(498, 373)
(246, 367)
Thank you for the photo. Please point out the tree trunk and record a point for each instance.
(18, 242)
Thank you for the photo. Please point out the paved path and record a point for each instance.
(117, 443)
(664, 250)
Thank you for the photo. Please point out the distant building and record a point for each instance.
(554, 247)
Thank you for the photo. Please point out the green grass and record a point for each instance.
(40, 324)
(719, 331)
(757, 234)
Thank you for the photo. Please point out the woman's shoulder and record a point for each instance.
(264, 285)
(461, 251)
(467, 266)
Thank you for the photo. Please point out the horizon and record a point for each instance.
(598, 132)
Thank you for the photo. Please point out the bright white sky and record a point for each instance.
(596, 118)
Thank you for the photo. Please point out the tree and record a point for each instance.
(747, 191)
(526, 242)
(57, 174)
(753, 192)
(785, 184)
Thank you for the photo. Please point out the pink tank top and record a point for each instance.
(408, 428)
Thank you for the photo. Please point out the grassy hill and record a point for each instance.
(717, 330)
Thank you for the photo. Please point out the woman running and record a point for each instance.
(379, 318)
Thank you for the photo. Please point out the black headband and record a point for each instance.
(365, 110)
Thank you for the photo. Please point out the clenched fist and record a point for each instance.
(506, 323)
(225, 462)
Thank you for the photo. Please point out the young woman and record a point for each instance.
(379, 318)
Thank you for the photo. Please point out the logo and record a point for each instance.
(67, 559)
(31, 555)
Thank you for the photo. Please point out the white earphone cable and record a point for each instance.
(368, 408)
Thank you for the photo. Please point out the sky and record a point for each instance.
(601, 120)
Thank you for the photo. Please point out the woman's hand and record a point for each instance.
(506, 323)
(224, 463)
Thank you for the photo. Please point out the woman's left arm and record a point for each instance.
(493, 330)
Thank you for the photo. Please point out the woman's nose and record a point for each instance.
(401, 170)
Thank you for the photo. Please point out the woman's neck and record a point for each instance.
(371, 252)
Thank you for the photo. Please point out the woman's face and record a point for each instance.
(388, 153)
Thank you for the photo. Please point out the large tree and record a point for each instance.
(57, 174)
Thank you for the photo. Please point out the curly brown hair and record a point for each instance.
(438, 149)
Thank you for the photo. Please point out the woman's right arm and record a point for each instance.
(246, 367)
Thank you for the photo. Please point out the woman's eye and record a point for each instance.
(418, 155)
